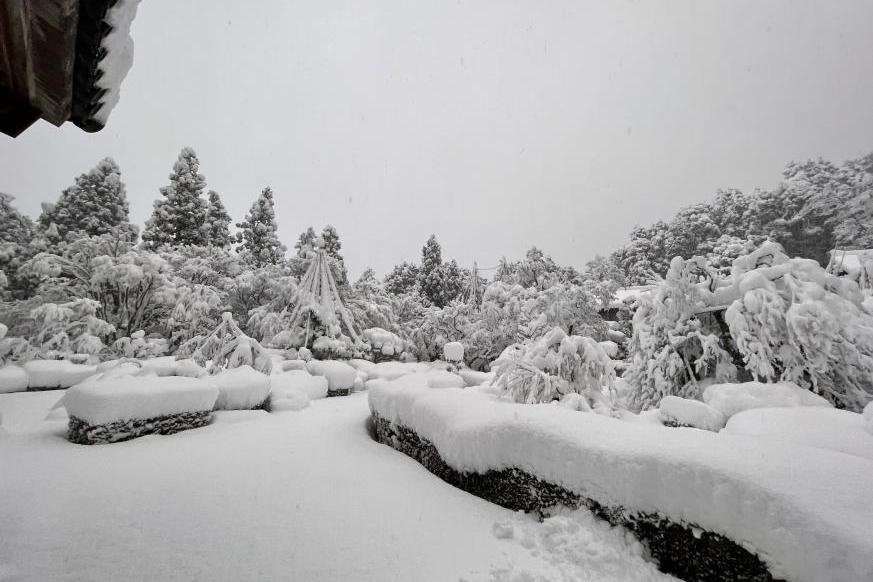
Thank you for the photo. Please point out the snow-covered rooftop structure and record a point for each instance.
(62, 61)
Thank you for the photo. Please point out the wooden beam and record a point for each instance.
(53, 25)
(15, 62)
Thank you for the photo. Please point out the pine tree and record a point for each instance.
(429, 275)
(179, 217)
(402, 278)
(332, 246)
(217, 222)
(94, 205)
(257, 236)
(307, 239)
(16, 247)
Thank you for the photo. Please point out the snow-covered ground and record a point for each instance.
(304, 495)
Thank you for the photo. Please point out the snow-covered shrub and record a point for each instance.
(138, 346)
(454, 352)
(670, 351)
(730, 399)
(226, 347)
(12, 349)
(340, 376)
(384, 345)
(676, 411)
(241, 388)
(70, 328)
(795, 322)
(193, 310)
(546, 368)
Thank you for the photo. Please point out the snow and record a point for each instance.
(119, 55)
(56, 373)
(99, 401)
(803, 510)
(824, 428)
(868, 417)
(475, 378)
(391, 370)
(730, 399)
(12, 379)
(453, 352)
(443, 379)
(313, 386)
(303, 496)
(240, 388)
(691, 413)
(340, 376)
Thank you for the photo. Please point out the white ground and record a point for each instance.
(301, 495)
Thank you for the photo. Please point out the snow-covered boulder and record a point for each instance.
(116, 409)
(51, 374)
(313, 386)
(242, 388)
(730, 399)
(288, 398)
(443, 379)
(676, 411)
(13, 379)
(289, 365)
(340, 376)
(453, 352)
(574, 401)
(812, 426)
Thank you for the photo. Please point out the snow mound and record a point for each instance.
(392, 370)
(802, 510)
(474, 378)
(340, 376)
(813, 426)
(610, 347)
(453, 352)
(313, 386)
(13, 379)
(289, 365)
(868, 417)
(127, 397)
(170, 366)
(693, 413)
(443, 379)
(730, 399)
(44, 374)
(241, 388)
(289, 395)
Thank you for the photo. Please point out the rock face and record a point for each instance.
(80, 432)
(681, 550)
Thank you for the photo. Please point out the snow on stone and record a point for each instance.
(812, 426)
(240, 388)
(453, 352)
(99, 401)
(313, 386)
(13, 379)
(733, 398)
(693, 413)
(118, 47)
(474, 377)
(802, 510)
(44, 374)
(340, 376)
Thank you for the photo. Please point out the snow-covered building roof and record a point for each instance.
(62, 61)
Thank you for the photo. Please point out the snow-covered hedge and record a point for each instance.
(340, 376)
(52, 374)
(801, 510)
(242, 388)
(117, 408)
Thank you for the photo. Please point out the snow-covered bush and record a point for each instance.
(795, 322)
(546, 368)
(384, 345)
(12, 349)
(69, 328)
(676, 411)
(670, 350)
(137, 345)
(226, 347)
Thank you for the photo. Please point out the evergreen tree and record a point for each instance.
(257, 237)
(94, 205)
(428, 275)
(17, 246)
(179, 217)
(217, 222)
(306, 240)
(401, 279)
(332, 246)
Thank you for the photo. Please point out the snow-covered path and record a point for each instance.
(290, 496)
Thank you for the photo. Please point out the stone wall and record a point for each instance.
(682, 550)
(83, 433)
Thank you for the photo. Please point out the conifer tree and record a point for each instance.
(332, 246)
(179, 217)
(257, 237)
(217, 222)
(306, 240)
(94, 205)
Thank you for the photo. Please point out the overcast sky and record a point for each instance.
(496, 125)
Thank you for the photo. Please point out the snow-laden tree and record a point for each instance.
(226, 347)
(17, 233)
(554, 365)
(370, 304)
(536, 270)
(670, 350)
(602, 277)
(439, 282)
(69, 329)
(179, 217)
(402, 278)
(305, 242)
(217, 222)
(259, 243)
(262, 298)
(192, 310)
(793, 321)
(94, 205)
(138, 346)
(124, 282)
(13, 349)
